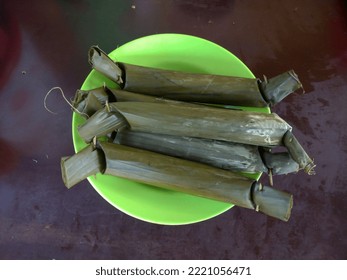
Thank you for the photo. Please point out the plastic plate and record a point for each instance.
(174, 52)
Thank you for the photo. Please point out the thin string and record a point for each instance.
(66, 100)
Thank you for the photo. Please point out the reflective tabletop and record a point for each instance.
(44, 44)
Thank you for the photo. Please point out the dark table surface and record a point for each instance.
(44, 44)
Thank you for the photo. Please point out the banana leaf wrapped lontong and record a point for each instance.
(220, 154)
(198, 121)
(175, 174)
(202, 88)
(87, 102)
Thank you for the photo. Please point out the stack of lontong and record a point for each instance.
(169, 129)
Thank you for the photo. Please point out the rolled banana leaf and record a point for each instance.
(279, 163)
(192, 178)
(122, 96)
(89, 101)
(105, 64)
(298, 153)
(101, 123)
(193, 120)
(199, 121)
(191, 87)
(186, 119)
(221, 154)
(85, 163)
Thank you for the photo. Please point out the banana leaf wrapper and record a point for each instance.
(298, 153)
(220, 154)
(279, 163)
(199, 121)
(192, 120)
(122, 96)
(83, 164)
(101, 123)
(88, 102)
(204, 88)
(189, 177)
(106, 119)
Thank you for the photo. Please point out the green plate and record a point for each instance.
(174, 52)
